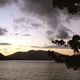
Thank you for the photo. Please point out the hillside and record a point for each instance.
(2, 57)
(30, 55)
(69, 61)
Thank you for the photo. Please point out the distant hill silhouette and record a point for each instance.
(2, 57)
(30, 55)
(70, 61)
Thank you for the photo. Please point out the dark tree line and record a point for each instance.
(74, 43)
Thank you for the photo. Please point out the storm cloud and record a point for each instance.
(62, 34)
(6, 2)
(45, 11)
(52, 16)
(38, 6)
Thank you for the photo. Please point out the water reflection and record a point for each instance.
(36, 70)
(70, 61)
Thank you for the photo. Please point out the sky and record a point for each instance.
(33, 23)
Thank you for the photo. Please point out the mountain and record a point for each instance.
(70, 61)
(30, 55)
(2, 57)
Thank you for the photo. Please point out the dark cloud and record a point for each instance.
(7, 2)
(5, 44)
(19, 20)
(39, 6)
(20, 24)
(36, 25)
(49, 33)
(27, 34)
(62, 34)
(26, 23)
(49, 46)
(3, 31)
(4, 2)
(44, 8)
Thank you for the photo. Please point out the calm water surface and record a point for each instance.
(36, 70)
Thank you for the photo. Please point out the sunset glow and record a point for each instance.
(24, 26)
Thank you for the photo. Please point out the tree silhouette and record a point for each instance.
(73, 6)
(76, 37)
(62, 42)
(74, 43)
(59, 42)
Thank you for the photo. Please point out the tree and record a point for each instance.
(74, 43)
(73, 6)
(62, 42)
(76, 37)
(59, 42)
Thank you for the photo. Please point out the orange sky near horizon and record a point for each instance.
(11, 49)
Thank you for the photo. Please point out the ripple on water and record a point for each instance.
(36, 70)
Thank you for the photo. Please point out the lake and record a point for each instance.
(36, 70)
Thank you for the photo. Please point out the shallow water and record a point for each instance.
(36, 70)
